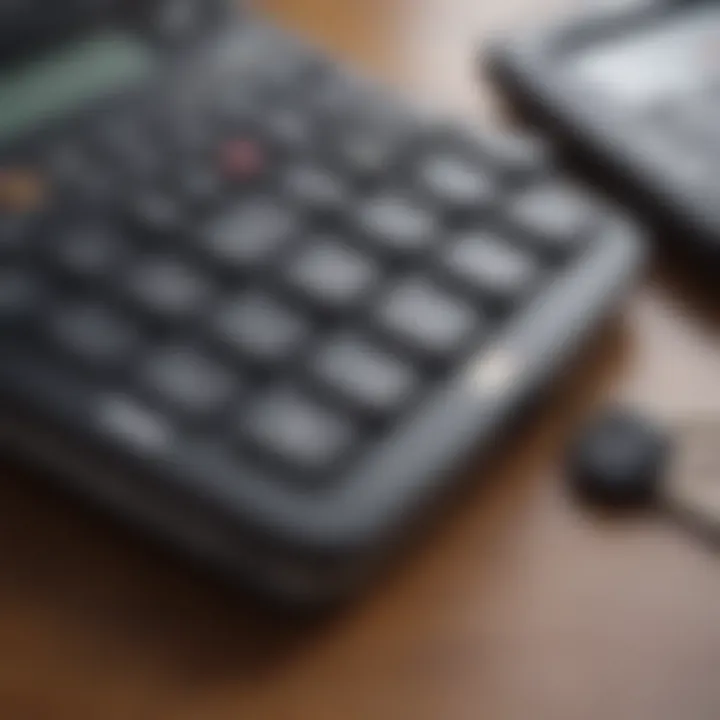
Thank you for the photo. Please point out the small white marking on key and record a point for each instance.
(494, 372)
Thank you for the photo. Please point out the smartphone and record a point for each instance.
(632, 90)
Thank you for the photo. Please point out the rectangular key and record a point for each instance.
(94, 334)
(459, 186)
(371, 379)
(167, 288)
(189, 382)
(249, 236)
(332, 276)
(22, 297)
(16, 231)
(297, 431)
(556, 219)
(491, 267)
(429, 321)
(89, 253)
(397, 224)
(314, 190)
(157, 213)
(260, 329)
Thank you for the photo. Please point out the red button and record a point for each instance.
(242, 160)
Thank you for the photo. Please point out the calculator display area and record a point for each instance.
(674, 58)
(47, 88)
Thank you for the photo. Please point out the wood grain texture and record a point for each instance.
(516, 606)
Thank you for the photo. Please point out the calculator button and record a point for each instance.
(124, 419)
(365, 156)
(69, 164)
(157, 213)
(554, 218)
(189, 382)
(250, 235)
(427, 319)
(371, 379)
(167, 289)
(15, 231)
(242, 160)
(290, 129)
(338, 96)
(236, 110)
(177, 23)
(332, 276)
(76, 177)
(261, 329)
(93, 334)
(288, 72)
(140, 165)
(199, 185)
(123, 142)
(20, 295)
(491, 267)
(455, 184)
(397, 224)
(187, 135)
(297, 431)
(88, 253)
(118, 131)
(315, 190)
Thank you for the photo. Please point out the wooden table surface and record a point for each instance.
(517, 606)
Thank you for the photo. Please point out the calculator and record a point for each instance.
(262, 309)
(633, 90)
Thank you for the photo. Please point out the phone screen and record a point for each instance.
(673, 58)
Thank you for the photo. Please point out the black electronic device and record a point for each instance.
(256, 305)
(633, 89)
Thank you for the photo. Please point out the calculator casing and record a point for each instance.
(530, 69)
(300, 547)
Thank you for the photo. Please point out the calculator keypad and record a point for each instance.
(286, 272)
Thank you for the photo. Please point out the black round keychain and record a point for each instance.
(624, 460)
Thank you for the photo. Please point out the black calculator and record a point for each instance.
(633, 89)
(262, 309)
